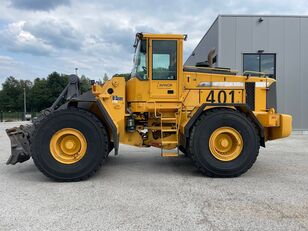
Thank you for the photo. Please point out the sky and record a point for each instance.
(38, 37)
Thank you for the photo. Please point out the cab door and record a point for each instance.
(164, 69)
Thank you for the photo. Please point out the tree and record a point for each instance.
(11, 96)
(55, 84)
(45, 91)
(105, 78)
(40, 94)
(85, 84)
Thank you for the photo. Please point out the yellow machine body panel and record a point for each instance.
(115, 103)
(161, 89)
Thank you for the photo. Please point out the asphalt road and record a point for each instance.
(139, 190)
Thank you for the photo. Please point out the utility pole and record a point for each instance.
(25, 103)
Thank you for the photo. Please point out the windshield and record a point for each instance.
(140, 62)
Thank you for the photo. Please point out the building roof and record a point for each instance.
(262, 15)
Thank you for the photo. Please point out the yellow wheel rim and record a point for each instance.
(226, 144)
(68, 146)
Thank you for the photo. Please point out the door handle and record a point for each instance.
(170, 91)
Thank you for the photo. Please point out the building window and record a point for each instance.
(260, 62)
(164, 58)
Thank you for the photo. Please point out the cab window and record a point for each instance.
(164, 60)
(140, 61)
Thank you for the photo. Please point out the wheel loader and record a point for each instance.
(212, 115)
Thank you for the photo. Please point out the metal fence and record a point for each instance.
(16, 116)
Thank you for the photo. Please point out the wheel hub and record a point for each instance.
(68, 146)
(226, 144)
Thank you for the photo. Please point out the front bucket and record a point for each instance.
(20, 143)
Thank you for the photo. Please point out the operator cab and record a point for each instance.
(158, 67)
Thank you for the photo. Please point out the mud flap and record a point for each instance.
(20, 143)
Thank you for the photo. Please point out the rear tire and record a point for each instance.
(84, 122)
(209, 161)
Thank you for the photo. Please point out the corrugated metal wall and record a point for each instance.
(287, 36)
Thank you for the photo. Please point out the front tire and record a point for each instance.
(224, 143)
(69, 145)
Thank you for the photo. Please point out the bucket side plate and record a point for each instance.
(20, 143)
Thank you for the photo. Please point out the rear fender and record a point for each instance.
(244, 108)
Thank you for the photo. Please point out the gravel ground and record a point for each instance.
(139, 190)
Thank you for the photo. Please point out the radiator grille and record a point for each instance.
(250, 95)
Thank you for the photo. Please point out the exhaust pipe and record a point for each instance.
(210, 57)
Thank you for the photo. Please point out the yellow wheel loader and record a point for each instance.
(215, 117)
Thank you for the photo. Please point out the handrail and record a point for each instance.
(254, 72)
(213, 68)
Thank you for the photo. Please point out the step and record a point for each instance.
(169, 130)
(169, 154)
(169, 142)
(168, 119)
(159, 127)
